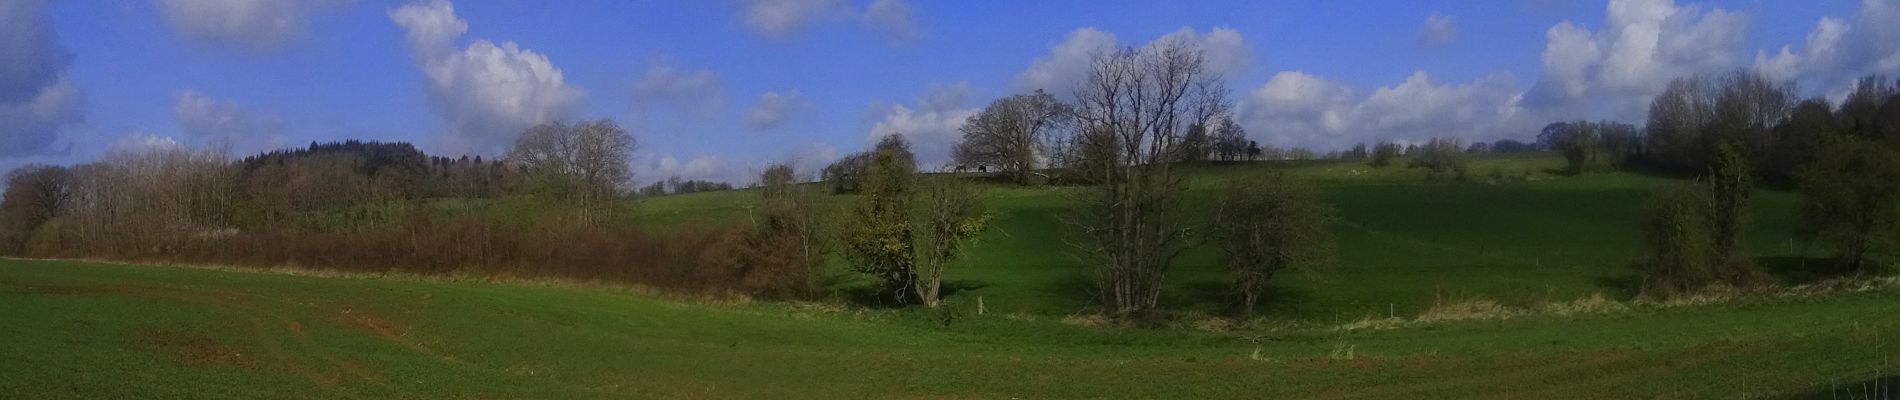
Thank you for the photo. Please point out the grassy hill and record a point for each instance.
(1405, 242)
(1386, 324)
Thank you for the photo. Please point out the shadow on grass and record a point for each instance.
(1625, 285)
(874, 296)
(1077, 286)
(1800, 270)
(953, 288)
(1885, 387)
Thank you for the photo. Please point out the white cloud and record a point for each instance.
(775, 108)
(487, 92)
(1614, 73)
(1838, 50)
(252, 24)
(701, 92)
(930, 123)
(1440, 30)
(1067, 62)
(895, 19)
(36, 98)
(226, 125)
(140, 142)
(1295, 108)
(1225, 51)
(701, 167)
(786, 18)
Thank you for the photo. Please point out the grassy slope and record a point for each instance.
(1405, 242)
(85, 330)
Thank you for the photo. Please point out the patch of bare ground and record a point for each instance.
(193, 349)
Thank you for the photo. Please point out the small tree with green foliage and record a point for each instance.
(1443, 157)
(1729, 185)
(1578, 141)
(1268, 223)
(877, 240)
(1384, 152)
(1851, 200)
(1676, 224)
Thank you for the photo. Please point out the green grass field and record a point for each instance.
(93, 330)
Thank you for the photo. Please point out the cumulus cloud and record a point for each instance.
(1614, 73)
(1296, 108)
(774, 109)
(251, 24)
(895, 19)
(1440, 30)
(487, 92)
(700, 92)
(1067, 62)
(36, 98)
(930, 123)
(225, 124)
(1838, 50)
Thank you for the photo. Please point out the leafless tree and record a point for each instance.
(34, 195)
(1134, 109)
(952, 214)
(1012, 131)
(1230, 140)
(586, 164)
(1267, 223)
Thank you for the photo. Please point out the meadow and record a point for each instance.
(1513, 284)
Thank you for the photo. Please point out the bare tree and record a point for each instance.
(1135, 108)
(1230, 140)
(1011, 131)
(1268, 223)
(586, 164)
(951, 214)
(34, 195)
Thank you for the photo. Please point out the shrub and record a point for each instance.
(1676, 225)
(878, 241)
(1383, 153)
(1268, 223)
(783, 250)
(1851, 200)
(1444, 158)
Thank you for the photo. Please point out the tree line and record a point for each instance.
(1736, 131)
(1134, 121)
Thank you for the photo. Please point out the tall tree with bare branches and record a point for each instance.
(587, 164)
(1011, 132)
(1134, 110)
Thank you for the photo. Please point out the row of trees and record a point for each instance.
(1739, 129)
(1139, 114)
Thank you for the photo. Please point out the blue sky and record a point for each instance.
(717, 89)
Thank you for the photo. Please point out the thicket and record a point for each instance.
(553, 209)
(1741, 128)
